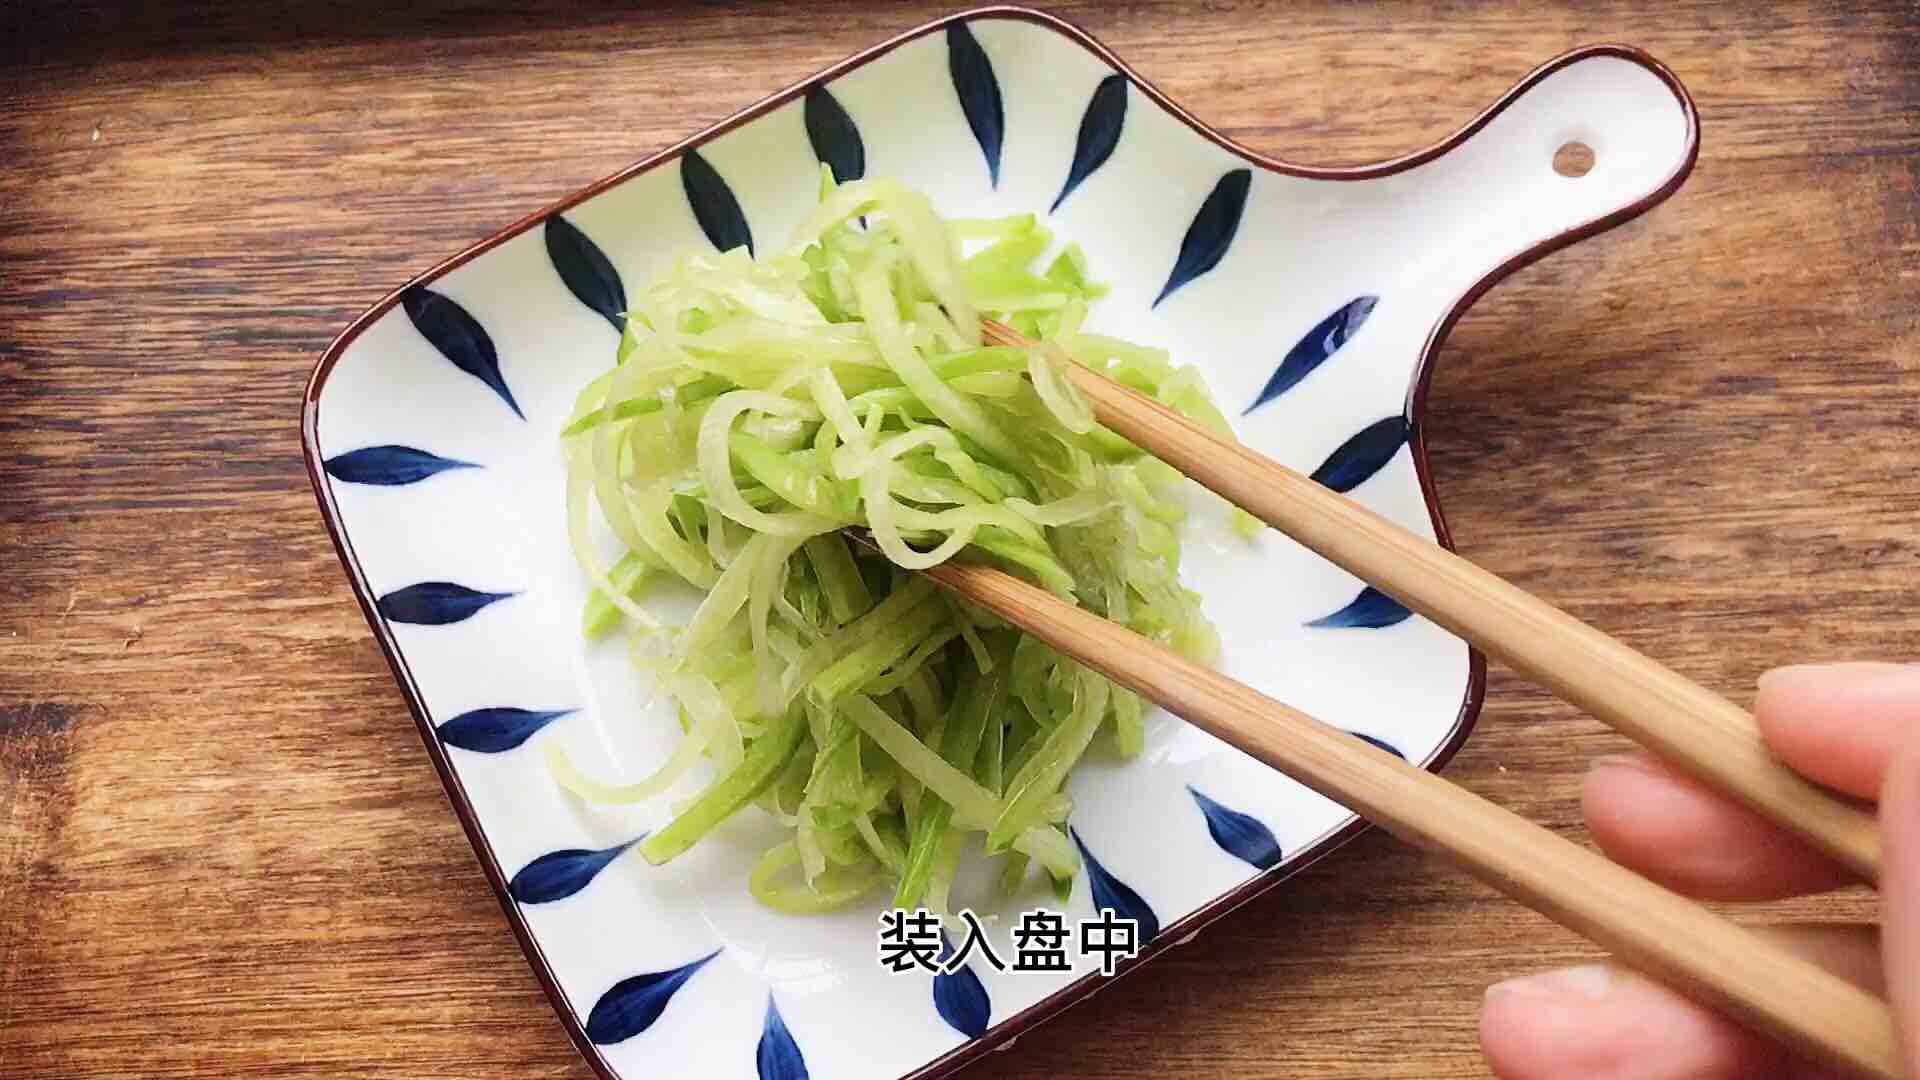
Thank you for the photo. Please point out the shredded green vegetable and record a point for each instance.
(758, 407)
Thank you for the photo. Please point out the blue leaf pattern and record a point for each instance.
(434, 603)
(1380, 744)
(559, 874)
(1240, 835)
(835, 139)
(1212, 231)
(714, 206)
(1371, 610)
(492, 731)
(979, 93)
(631, 1005)
(1110, 892)
(587, 272)
(1313, 350)
(459, 337)
(1099, 134)
(389, 466)
(1363, 455)
(960, 998)
(778, 1056)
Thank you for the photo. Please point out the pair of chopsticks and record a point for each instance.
(1647, 926)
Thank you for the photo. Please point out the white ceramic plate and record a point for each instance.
(1310, 299)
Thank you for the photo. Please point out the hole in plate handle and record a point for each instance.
(1573, 160)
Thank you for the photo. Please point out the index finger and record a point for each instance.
(1839, 724)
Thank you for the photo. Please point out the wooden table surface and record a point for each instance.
(222, 850)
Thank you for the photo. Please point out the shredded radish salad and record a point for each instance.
(756, 408)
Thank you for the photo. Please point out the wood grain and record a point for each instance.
(221, 848)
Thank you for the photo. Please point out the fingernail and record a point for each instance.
(1589, 982)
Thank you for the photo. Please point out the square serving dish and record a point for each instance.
(1312, 300)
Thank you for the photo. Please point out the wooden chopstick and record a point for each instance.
(1688, 725)
(1648, 927)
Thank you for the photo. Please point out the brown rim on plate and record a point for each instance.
(1177, 932)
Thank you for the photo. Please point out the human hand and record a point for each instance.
(1852, 727)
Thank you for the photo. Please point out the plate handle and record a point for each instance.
(1586, 141)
